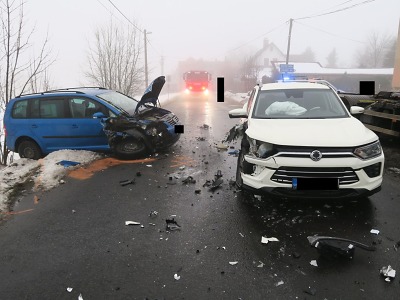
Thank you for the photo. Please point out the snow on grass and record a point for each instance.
(45, 173)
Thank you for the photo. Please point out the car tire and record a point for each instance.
(29, 149)
(130, 148)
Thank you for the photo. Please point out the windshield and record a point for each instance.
(196, 76)
(298, 104)
(124, 103)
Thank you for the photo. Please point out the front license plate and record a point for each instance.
(316, 184)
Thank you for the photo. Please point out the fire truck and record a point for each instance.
(197, 82)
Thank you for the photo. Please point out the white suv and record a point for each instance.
(301, 141)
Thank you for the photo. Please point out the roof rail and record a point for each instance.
(63, 90)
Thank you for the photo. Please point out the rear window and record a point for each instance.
(20, 109)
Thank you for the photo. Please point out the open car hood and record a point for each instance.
(152, 92)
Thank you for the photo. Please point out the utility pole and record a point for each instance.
(288, 43)
(146, 73)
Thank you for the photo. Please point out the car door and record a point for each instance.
(86, 131)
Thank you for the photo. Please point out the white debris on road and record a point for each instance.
(131, 223)
(232, 263)
(314, 263)
(374, 231)
(265, 240)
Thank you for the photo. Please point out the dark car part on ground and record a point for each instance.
(332, 247)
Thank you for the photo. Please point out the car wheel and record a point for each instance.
(29, 149)
(129, 148)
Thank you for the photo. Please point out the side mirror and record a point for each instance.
(356, 110)
(238, 113)
(99, 115)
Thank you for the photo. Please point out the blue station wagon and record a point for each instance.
(38, 124)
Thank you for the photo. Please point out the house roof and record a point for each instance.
(316, 68)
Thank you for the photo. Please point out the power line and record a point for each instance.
(133, 24)
(264, 34)
(338, 10)
(319, 29)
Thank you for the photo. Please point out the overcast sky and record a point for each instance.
(208, 29)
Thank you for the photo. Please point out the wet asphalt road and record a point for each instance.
(76, 235)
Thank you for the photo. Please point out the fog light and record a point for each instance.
(373, 170)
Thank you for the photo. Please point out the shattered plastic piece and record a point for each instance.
(234, 153)
(182, 168)
(68, 163)
(388, 272)
(261, 265)
(311, 291)
(314, 263)
(333, 246)
(172, 225)
(374, 231)
(149, 166)
(201, 138)
(131, 223)
(197, 191)
(241, 234)
(205, 126)
(142, 226)
(279, 283)
(265, 240)
(153, 213)
(80, 297)
(177, 277)
(232, 263)
(69, 289)
(189, 179)
(216, 184)
(221, 146)
(62, 181)
(126, 182)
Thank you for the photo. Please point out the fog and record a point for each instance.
(208, 30)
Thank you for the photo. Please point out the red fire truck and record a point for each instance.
(197, 82)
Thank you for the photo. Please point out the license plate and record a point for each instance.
(304, 184)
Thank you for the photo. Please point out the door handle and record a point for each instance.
(74, 126)
(34, 126)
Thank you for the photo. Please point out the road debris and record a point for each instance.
(334, 246)
(311, 291)
(138, 174)
(153, 213)
(279, 283)
(205, 126)
(261, 265)
(394, 170)
(200, 138)
(296, 255)
(265, 240)
(69, 289)
(374, 231)
(388, 272)
(182, 168)
(68, 163)
(241, 234)
(177, 277)
(222, 146)
(131, 223)
(126, 182)
(232, 263)
(314, 263)
(149, 166)
(80, 297)
(234, 133)
(172, 225)
(197, 191)
(216, 183)
(189, 179)
(235, 153)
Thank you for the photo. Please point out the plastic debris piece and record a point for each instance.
(142, 226)
(234, 152)
(265, 240)
(205, 126)
(311, 291)
(131, 223)
(388, 272)
(374, 231)
(80, 297)
(334, 247)
(232, 263)
(261, 265)
(68, 163)
(126, 182)
(152, 224)
(182, 168)
(69, 289)
(241, 234)
(177, 277)
(279, 283)
(149, 166)
(172, 225)
(216, 184)
(201, 138)
(62, 181)
(189, 179)
(197, 191)
(221, 146)
(314, 263)
(153, 213)
(296, 255)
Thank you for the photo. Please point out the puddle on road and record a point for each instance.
(102, 164)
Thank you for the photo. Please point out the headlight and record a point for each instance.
(369, 151)
(261, 149)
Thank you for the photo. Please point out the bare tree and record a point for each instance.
(16, 68)
(332, 59)
(373, 53)
(115, 59)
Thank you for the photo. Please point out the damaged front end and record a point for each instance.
(149, 129)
